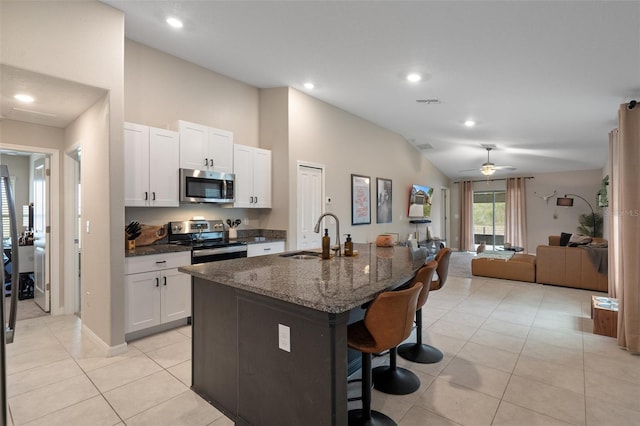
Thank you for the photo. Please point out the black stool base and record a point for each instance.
(395, 381)
(376, 419)
(420, 353)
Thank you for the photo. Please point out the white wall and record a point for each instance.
(543, 218)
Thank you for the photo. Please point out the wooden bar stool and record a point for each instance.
(421, 352)
(387, 322)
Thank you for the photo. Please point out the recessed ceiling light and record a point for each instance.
(413, 77)
(309, 85)
(469, 123)
(174, 22)
(22, 97)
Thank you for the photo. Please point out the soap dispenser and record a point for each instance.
(348, 246)
(326, 245)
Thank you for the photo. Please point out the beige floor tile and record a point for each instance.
(94, 411)
(417, 416)
(607, 413)
(559, 375)
(34, 378)
(157, 341)
(393, 406)
(612, 389)
(222, 421)
(561, 338)
(477, 377)
(135, 397)
(182, 372)
(506, 328)
(48, 399)
(186, 409)
(550, 400)
(186, 330)
(475, 353)
(458, 403)
(511, 415)
(170, 355)
(458, 315)
(522, 318)
(498, 341)
(95, 358)
(625, 367)
(453, 329)
(555, 321)
(122, 372)
(48, 354)
(558, 355)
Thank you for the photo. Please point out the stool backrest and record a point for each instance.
(424, 275)
(442, 258)
(389, 317)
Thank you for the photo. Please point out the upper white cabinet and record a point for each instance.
(205, 148)
(252, 167)
(151, 166)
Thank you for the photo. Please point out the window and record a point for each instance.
(6, 230)
(489, 218)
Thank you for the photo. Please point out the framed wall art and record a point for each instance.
(360, 200)
(384, 213)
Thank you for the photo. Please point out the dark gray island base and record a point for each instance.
(239, 308)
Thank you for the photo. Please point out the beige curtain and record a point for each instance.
(615, 272)
(515, 216)
(629, 232)
(466, 216)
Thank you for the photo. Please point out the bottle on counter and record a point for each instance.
(326, 245)
(348, 246)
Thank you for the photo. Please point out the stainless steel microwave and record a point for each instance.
(201, 186)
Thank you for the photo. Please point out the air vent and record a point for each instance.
(428, 101)
(424, 146)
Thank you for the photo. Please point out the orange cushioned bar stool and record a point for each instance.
(387, 322)
(420, 352)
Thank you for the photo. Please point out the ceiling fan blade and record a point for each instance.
(469, 170)
(504, 167)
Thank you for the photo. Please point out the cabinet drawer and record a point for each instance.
(265, 248)
(156, 262)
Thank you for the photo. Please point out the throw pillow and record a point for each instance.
(579, 240)
(564, 238)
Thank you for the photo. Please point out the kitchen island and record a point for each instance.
(270, 333)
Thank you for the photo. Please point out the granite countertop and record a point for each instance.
(257, 240)
(156, 249)
(334, 286)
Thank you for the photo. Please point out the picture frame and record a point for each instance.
(384, 200)
(360, 200)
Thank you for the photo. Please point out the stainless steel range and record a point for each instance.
(207, 240)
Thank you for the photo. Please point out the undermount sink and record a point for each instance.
(302, 255)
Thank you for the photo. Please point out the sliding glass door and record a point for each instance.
(489, 218)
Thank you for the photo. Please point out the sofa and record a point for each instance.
(583, 266)
(521, 267)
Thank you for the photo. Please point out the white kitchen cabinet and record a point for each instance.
(205, 148)
(151, 166)
(252, 167)
(155, 292)
(262, 249)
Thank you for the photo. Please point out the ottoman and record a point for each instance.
(521, 267)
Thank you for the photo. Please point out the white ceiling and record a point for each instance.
(543, 80)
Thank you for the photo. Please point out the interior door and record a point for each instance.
(41, 233)
(309, 206)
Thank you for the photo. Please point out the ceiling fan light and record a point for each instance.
(487, 169)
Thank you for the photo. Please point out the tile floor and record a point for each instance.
(515, 354)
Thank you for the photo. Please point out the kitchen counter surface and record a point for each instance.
(156, 249)
(333, 286)
(252, 240)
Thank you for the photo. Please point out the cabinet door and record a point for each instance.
(244, 175)
(136, 165)
(142, 301)
(193, 145)
(220, 151)
(176, 295)
(261, 178)
(164, 152)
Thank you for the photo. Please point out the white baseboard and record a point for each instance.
(109, 350)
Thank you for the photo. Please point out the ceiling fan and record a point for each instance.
(489, 168)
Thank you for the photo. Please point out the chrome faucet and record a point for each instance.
(316, 229)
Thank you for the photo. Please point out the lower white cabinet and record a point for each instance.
(262, 249)
(155, 292)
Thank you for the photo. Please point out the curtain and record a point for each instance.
(466, 216)
(615, 272)
(629, 231)
(515, 215)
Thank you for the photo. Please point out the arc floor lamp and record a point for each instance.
(567, 201)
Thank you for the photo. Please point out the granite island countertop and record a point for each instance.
(336, 285)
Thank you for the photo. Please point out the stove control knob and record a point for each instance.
(177, 227)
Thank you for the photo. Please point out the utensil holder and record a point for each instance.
(233, 233)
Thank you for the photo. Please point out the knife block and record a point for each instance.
(130, 244)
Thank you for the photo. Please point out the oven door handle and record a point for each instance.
(223, 250)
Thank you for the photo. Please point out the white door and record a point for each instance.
(41, 232)
(310, 195)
